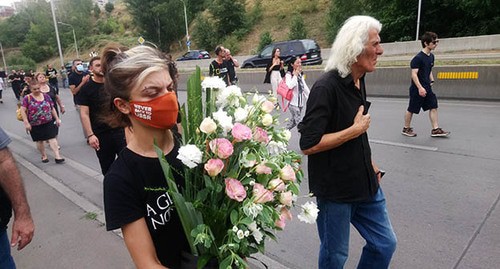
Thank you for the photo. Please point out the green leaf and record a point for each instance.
(234, 217)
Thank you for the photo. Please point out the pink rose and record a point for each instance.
(262, 195)
(284, 215)
(286, 198)
(277, 185)
(214, 167)
(260, 135)
(241, 132)
(267, 106)
(235, 190)
(261, 168)
(221, 147)
(287, 173)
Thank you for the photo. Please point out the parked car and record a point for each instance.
(194, 55)
(306, 49)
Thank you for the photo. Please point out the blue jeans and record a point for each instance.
(372, 222)
(6, 260)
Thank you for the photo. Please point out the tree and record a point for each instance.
(203, 32)
(159, 21)
(229, 16)
(265, 39)
(109, 7)
(97, 11)
(297, 29)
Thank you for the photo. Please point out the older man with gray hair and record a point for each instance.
(342, 174)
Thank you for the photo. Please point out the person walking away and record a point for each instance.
(2, 86)
(12, 198)
(342, 174)
(138, 82)
(421, 94)
(106, 141)
(50, 91)
(64, 77)
(295, 80)
(275, 71)
(41, 121)
(51, 73)
(16, 80)
(218, 67)
(231, 64)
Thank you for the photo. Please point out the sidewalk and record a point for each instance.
(65, 235)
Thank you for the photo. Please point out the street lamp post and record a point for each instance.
(74, 37)
(57, 32)
(418, 17)
(188, 43)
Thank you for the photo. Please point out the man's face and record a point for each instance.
(96, 68)
(222, 52)
(76, 64)
(367, 60)
(432, 45)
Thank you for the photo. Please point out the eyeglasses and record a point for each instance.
(435, 42)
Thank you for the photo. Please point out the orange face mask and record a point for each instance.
(160, 112)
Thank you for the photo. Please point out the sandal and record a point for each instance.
(60, 160)
(46, 160)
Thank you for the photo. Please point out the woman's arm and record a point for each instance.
(27, 125)
(291, 81)
(59, 102)
(140, 245)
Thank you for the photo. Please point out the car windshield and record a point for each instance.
(310, 44)
(267, 51)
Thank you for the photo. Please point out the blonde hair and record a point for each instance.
(124, 70)
(350, 42)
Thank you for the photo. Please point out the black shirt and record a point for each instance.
(424, 64)
(231, 71)
(92, 95)
(52, 74)
(345, 173)
(135, 188)
(219, 70)
(75, 79)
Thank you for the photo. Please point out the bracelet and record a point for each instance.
(90, 135)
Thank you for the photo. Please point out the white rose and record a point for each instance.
(267, 120)
(213, 82)
(240, 114)
(287, 134)
(190, 155)
(208, 126)
(225, 121)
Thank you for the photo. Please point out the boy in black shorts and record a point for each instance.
(421, 95)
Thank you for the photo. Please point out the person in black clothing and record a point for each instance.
(51, 73)
(136, 198)
(76, 80)
(275, 71)
(219, 66)
(106, 141)
(231, 64)
(342, 174)
(16, 80)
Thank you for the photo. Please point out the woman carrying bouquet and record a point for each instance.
(295, 80)
(135, 190)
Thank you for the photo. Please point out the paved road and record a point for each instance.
(442, 194)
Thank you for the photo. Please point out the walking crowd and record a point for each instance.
(127, 100)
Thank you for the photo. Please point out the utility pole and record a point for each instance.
(418, 17)
(188, 42)
(3, 58)
(57, 32)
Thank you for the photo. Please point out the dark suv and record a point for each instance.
(306, 49)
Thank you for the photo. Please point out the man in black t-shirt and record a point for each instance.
(106, 141)
(77, 78)
(218, 67)
(231, 64)
(51, 73)
(16, 80)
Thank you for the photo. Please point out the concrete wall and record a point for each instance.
(484, 42)
(395, 81)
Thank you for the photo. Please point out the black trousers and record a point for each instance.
(110, 144)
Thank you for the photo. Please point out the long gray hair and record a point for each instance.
(350, 42)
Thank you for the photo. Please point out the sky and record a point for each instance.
(6, 2)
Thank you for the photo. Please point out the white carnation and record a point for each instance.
(190, 155)
(286, 134)
(240, 114)
(225, 121)
(229, 96)
(276, 148)
(213, 82)
(309, 212)
(257, 234)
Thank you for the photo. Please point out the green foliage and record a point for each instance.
(108, 26)
(18, 61)
(109, 7)
(297, 29)
(232, 43)
(255, 14)
(229, 16)
(97, 10)
(307, 6)
(265, 39)
(339, 11)
(159, 21)
(204, 34)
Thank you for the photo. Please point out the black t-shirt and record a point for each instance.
(16, 79)
(424, 64)
(344, 173)
(75, 79)
(135, 188)
(52, 74)
(219, 70)
(92, 95)
(231, 69)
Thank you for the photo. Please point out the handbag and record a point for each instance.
(285, 92)
(19, 116)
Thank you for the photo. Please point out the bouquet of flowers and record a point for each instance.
(240, 178)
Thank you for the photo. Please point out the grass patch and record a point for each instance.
(90, 216)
